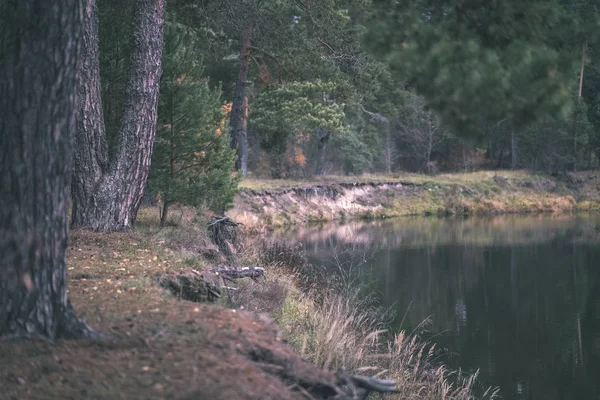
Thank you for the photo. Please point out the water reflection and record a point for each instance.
(516, 297)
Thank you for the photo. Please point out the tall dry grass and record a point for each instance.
(343, 328)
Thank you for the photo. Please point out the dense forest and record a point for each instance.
(307, 88)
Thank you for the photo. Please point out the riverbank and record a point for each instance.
(271, 203)
(282, 338)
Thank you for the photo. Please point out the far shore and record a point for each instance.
(264, 204)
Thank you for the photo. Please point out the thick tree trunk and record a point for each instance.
(107, 197)
(324, 138)
(40, 43)
(237, 125)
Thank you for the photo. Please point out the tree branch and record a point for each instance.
(271, 56)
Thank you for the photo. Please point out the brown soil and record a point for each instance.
(159, 347)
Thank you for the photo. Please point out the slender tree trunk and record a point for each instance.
(324, 138)
(388, 148)
(513, 148)
(164, 212)
(237, 125)
(576, 124)
(243, 139)
(429, 144)
(172, 147)
(500, 158)
(583, 56)
(107, 197)
(40, 45)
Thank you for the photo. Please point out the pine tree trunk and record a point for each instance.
(323, 142)
(107, 197)
(38, 76)
(583, 56)
(164, 213)
(243, 139)
(237, 125)
(388, 150)
(513, 148)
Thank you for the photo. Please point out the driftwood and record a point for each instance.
(236, 273)
(358, 387)
(224, 220)
(207, 285)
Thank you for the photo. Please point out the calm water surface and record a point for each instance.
(516, 297)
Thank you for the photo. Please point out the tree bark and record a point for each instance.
(429, 145)
(513, 148)
(40, 45)
(583, 56)
(388, 148)
(323, 138)
(164, 213)
(106, 197)
(237, 125)
(243, 139)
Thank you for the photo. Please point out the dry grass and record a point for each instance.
(443, 179)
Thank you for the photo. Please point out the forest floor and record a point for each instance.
(273, 203)
(159, 347)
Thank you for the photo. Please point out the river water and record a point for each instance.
(516, 297)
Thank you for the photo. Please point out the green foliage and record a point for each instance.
(477, 60)
(558, 145)
(192, 163)
(283, 115)
(353, 152)
(419, 131)
(304, 106)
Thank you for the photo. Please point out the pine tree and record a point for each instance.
(280, 111)
(192, 162)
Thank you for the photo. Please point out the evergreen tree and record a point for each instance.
(192, 163)
(297, 107)
(477, 61)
